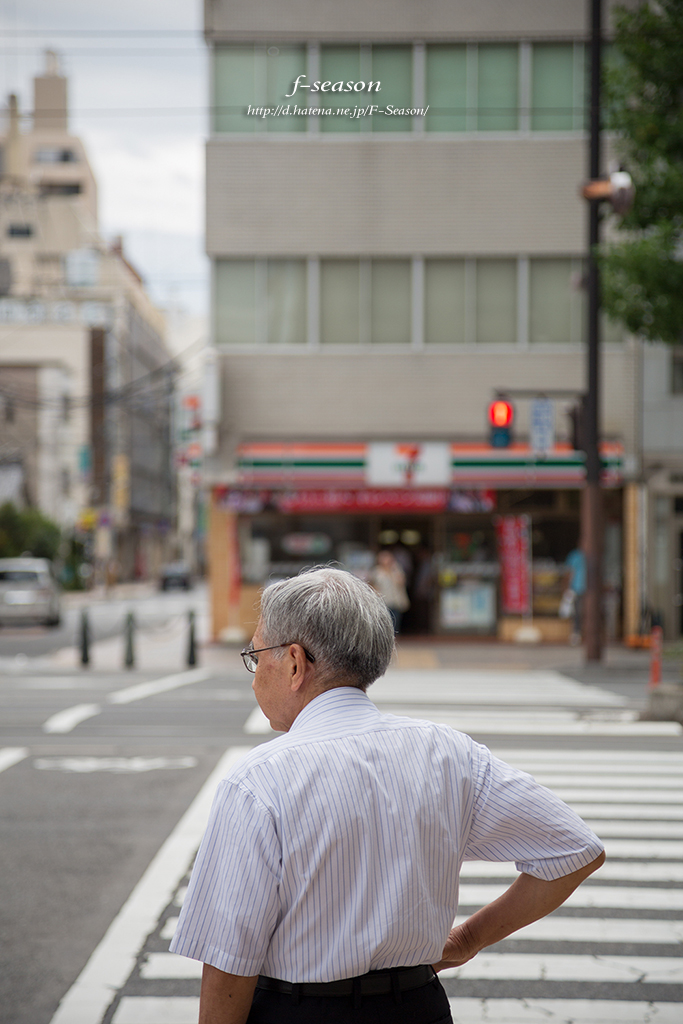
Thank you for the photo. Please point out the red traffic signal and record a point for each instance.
(501, 414)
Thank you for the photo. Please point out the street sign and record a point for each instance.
(542, 426)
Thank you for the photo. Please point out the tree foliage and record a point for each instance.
(27, 530)
(643, 269)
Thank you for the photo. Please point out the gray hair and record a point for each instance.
(337, 617)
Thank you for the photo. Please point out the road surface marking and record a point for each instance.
(169, 927)
(117, 765)
(539, 724)
(142, 690)
(670, 814)
(656, 849)
(65, 721)
(12, 755)
(613, 870)
(592, 930)
(550, 1011)
(620, 829)
(112, 962)
(257, 724)
(653, 970)
(589, 896)
(150, 1010)
(448, 686)
(170, 965)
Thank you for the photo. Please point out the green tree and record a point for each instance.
(27, 530)
(642, 272)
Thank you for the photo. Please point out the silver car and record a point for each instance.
(28, 592)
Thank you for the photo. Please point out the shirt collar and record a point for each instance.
(333, 706)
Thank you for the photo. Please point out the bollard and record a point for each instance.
(128, 632)
(656, 657)
(85, 638)
(192, 647)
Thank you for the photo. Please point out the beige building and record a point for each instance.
(397, 235)
(86, 400)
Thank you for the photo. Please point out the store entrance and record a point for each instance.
(411, 539)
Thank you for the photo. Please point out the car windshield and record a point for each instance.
(18, 576)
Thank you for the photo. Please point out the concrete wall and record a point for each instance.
(662, 410)
(330, 395)
(339, 196)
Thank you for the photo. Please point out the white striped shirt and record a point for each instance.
(336, 848)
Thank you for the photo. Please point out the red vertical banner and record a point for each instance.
(513, 536)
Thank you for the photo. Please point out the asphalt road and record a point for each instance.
(106, 772)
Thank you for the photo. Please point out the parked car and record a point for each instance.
(175, 575)
(29, 592)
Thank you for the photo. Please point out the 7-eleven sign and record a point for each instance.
(408, 464)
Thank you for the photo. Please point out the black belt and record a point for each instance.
(375, 983)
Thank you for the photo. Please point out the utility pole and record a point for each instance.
(591, 507)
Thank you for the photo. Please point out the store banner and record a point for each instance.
(361, 501)
(513, 535)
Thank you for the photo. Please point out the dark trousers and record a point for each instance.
(427, 1005)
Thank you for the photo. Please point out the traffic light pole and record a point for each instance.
(591, 508)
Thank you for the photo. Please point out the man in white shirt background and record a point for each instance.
(327, 881)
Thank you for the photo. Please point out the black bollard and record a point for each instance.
(128, 632)
(85, 638)
(192, 648)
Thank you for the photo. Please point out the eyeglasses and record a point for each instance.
(250, 660)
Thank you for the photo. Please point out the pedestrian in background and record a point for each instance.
(389, 580)
(326, 885)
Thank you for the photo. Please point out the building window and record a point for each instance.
(70, 188)
(555, 301)
(557, 87)
(392, 66)
(55, 155)
(497, 88)
(473, 88)
(446, 88)
(260, 302)
(256, 76)
(20, 230)
(365, 301)
(444, 302)
(496, 301)
(82, 268)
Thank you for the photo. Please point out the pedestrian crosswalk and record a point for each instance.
(612, 953)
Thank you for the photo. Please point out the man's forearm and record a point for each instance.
(527, 900)
(225, 998)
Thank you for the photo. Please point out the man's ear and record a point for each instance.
(297, 665)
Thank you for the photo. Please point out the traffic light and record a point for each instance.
(501, 415)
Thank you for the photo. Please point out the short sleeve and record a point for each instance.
(516, 819)
(232, 904)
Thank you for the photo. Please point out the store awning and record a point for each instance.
(431, 464)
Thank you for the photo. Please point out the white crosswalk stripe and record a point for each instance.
(608, 955)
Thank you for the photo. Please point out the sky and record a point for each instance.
(138, 94)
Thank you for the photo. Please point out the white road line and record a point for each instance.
(666, 813)
(592, 930)
(257, 724)
(154, 1010)
(12, 755)
(591, 897)
(657, 970)
(617, 795)
(655, 849)
(65, 721)
(571, 759)
(170, 965)
(541, 724)
(612, 870)
(550, 1011)
(621, 829)
(608, 782)
(448, 686)
(112, 962)
(142, 690)
(168, 930)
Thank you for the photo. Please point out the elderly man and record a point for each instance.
(327, 882)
